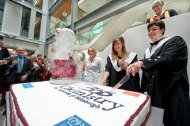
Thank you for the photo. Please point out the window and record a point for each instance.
(37, 25)
(2, 4)
(25, 22)
(36, 3)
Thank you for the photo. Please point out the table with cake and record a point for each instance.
(78, 104)
(68, 101)
(72, 102)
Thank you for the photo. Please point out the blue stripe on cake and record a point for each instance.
(27, 85)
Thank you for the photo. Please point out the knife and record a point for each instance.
(122, 81)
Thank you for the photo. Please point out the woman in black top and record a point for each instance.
(117, 62)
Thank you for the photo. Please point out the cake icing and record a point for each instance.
(43, 104)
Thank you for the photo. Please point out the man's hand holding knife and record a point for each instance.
(134, 68)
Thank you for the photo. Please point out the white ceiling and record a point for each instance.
(89, 6)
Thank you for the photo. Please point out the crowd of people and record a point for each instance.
(20, 69)
(164, 68)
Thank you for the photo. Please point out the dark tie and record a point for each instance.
(156, 42)
(19, 67)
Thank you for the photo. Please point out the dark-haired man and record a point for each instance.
(165, 75)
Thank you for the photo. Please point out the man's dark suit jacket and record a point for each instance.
(26, 70)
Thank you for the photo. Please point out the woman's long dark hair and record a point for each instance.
(124, 51)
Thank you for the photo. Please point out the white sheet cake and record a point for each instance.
(79, 104)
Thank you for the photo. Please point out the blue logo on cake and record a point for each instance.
(92, 96)
(27, 85)
(98, 91)
(73, 121)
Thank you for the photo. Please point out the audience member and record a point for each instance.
(4, 54)
(160, 13)
(46, 74)
(40, 58)
(165, 76)
(20, 68)
(35, 72)
(93, 67)
(117, 62)
(40, 61)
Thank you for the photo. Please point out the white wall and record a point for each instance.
(12, 24)
(43, 28)
(40, 50)
(32, 24)
(18, 43)
(137, 40)
(12, 18)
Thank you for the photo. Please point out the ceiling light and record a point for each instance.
(64, 13)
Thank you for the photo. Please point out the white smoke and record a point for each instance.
(65, 43)
(65, 46)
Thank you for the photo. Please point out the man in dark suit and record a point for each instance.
(165, 76)
(20, 68)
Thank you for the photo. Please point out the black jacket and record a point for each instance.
(4, 54)
(172, 13)
(26, 70)
(165, 77)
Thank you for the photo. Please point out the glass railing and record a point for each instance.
(35, 3)
(61, 24)
(87, 37)
(52, 29)
(86, 7)
(0, 26)
(52, 2)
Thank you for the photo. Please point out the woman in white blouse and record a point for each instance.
(94, 67)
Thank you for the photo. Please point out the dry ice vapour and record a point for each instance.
(64, 61)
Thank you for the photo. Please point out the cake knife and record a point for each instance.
(122, 81)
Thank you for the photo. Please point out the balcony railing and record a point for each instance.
(87, 37)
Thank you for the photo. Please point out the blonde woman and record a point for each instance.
(94, 67)
(117, 62)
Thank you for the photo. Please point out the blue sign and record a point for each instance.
(73, 121)
(27, 85)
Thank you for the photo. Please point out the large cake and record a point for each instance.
(80, 104)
